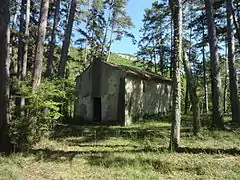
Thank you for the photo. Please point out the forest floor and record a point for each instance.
(135, 152)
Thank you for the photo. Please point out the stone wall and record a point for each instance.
(109, 93)
(145, 97)
(84, 103)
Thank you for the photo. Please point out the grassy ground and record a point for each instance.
(135, 152)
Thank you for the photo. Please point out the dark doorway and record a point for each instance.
(97, 109)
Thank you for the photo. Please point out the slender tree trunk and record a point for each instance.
(204, 69)
(66, 41)
(110, 44)
(25, 52)
(106, 32)
(16, 14)
(232, 66)
(40, 44)
(20, 39)
(235, 21)
(14, 27)
(193, 96)
(161, 55)
(154, 57)
(20, 55)
(4, 77)
(225, 91)
(176, 9)
(53, 40)
(217, 114)
(186, 99)
(171, 49)
(189, 55)
(86, 41)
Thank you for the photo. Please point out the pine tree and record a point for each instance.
(217, 114)
(38, 60)
(4, 77)
(67, 38)
(176, 10)
(232, 66)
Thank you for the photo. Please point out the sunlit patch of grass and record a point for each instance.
(135, 152)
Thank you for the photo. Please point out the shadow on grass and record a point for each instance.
(91, 155)
(90, 134)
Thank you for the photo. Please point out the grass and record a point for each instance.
(116, 59)
(135, 152)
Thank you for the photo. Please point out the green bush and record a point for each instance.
(39, 114)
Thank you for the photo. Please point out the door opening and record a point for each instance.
(97, 109)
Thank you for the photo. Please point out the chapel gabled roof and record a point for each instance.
(140, 73)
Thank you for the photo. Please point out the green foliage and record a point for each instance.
(155, 45)
(39, 114)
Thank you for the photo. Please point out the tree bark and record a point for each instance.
(53, 40)
(20, 39)
(176, 9)
(193, 96)
(66, 41)
(25, 53)
(106, 31)
(231, 65)
(4, 77)
(204, 69)
(235, 21)
(186, 99)
(40, 44)
(217, 114)
(110, 44)
(86, 41)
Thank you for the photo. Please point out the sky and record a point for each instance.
(135, 10)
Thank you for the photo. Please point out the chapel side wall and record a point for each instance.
(157, 98)
(84, 102)
(110, 81)
(146, 97)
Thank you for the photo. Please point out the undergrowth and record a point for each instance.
(135, 152)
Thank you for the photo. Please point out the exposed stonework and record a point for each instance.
(145, 97)
(139, 94)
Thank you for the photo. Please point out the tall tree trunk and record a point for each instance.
(106, 31)
(4, 77)
(20, 55)
(53, 40)
(15, 16)
(217, 114)
(171, 49)
(40, 44)
(20, 39)
(86, 41)
(14, 27)
(193, 96)
(66, 41)
(232, 66)
(225, 91)
(235, 22)
(26, 38)
(110, 44)
(204, 68)
(186, 99)
(25, 53)
(176, 9)
(189, 55)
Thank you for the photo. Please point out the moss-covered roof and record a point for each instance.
(140, 73)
